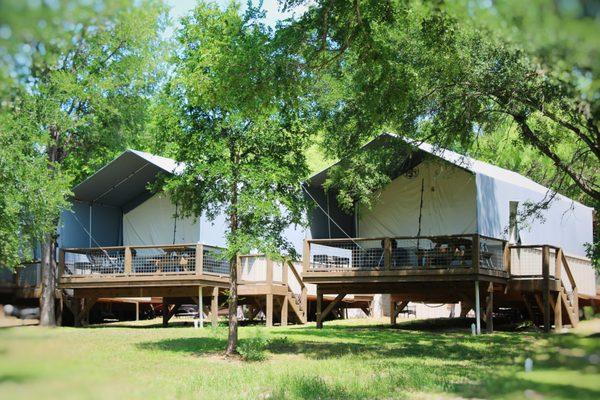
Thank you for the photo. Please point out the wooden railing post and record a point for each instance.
(269, 270)
(128, 259)
(61, 263)
(558, 264)
(546, 286)
(507, 257)
(284, 272)
(199, 259)
(387, 254)
(475, 255)
(306, 256)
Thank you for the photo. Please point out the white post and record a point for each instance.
(477, 308)
(200, 307)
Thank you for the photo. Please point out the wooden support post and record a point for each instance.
(284, 311)
(330, 306)
(88, 303)
(137, 310)
(528, 308)
(199, 259)
(304, 299)
(201, 306)
(214, 307)
(76, 310)
(165, 312)
(319, 308)
(546, 287)
(269, 315)
(558, 313)
(393, 314)
(489, 309)
(477, 309)
(60, 308)
(128, 260)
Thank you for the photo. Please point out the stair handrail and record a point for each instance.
(565, 264)
(303, 289)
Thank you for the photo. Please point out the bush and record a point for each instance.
(254, 348)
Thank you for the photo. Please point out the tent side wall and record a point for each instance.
(448, 204)
(106, 223)
(566, 223)
(153, 222)
(326, 218)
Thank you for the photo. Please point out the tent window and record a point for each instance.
(514, 236)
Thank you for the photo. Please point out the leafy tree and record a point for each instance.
(233, 113)
(27, 200)
(84, 71)
(415, 68)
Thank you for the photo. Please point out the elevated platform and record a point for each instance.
(538, 280)
(178, 273)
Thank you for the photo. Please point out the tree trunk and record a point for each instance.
(233, 305)
(47, 300)
(233, 227)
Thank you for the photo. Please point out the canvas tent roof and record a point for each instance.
(131, 172)
(462, 161)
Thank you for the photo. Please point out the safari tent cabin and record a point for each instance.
(122, 239)
(447, 229)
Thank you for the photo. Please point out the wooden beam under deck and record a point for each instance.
(108, 281)
(399, 276)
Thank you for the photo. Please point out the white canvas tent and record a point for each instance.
(455, 194)
(115, 207)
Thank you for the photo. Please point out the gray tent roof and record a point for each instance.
(130, 172)
(468, 163)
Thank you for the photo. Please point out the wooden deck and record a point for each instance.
(470, 269)
(182, 273)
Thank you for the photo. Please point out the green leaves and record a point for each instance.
(75, 86)
(233, 112)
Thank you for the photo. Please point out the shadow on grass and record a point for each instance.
(405, 359)
(12, 378)
(196, 346)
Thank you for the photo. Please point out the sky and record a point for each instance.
(182, 7)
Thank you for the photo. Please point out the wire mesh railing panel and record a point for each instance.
(491, 254)
(432, 252)
(30, 275)
(213, 261)
(163, 260)
(95, 262)
(346, 255)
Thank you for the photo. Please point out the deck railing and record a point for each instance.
(143, 260)
(574, 272)
(405, 253)
(29, 275)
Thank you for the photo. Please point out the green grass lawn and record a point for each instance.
(345, 360)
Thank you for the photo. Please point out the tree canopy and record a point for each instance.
(418, 69)
(233, 114)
